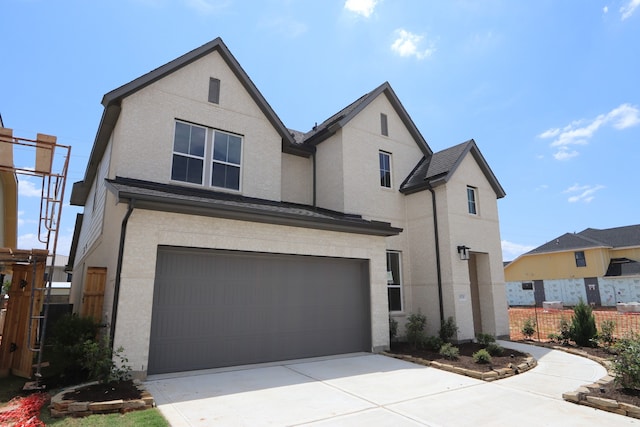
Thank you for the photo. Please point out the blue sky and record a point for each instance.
(548, 89)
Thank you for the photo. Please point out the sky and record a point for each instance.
(548, 89)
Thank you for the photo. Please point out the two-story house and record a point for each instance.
(598, 266)
(224, 238)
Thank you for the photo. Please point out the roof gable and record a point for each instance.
(330, 126)
(438, 169)
(112, 107)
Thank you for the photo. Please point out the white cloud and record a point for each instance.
(579, 132)
(27, 188)
(361, 7)
(29, 241)
(285, 26)
(628, 9)
(408, 44)
(511, 251)
(208, 6)
(605, 9)
(585, 193)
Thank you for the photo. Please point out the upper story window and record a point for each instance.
(193, 144)
(581, 261)
(385, 169)
(394, 281)
(384, 129)
(214, 90)
(472, 200)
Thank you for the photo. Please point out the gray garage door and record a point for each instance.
(222, 308)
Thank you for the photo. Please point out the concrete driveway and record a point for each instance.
(367, 389)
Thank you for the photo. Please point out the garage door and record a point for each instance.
(222, 308)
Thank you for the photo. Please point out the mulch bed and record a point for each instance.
(465, 360)
(103, 392)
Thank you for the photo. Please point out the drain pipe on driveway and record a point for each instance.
(116, 291)
(437, 239)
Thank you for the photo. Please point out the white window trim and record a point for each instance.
(400, 280)
(208, 158)
(475, 201)
(390, 187)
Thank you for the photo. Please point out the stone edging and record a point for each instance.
(581, 396)
(498, 374)
(62, 408)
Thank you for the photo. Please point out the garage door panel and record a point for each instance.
(221, 308)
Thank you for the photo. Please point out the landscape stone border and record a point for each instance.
(581, 396)
(60, 407)
(492, 375)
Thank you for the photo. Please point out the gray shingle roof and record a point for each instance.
(627, 236)
(437, 169)
(195, 201)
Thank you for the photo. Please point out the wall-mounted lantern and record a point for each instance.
(463, 251)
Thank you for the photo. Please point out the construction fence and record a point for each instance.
(548, 321)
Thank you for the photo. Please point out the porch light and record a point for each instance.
(463, 251)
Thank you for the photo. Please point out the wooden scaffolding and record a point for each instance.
(24, 331)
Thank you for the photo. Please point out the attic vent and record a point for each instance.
(214, 90)
(383, 124)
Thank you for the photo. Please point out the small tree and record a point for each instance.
(393, 329)
(414, 328)
(98, 360)
(583, 327)
(626, 364)
(607, 328)
(528, 328)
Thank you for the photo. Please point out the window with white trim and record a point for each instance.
(385, 169)
(472, 200)
(581, 261)
(192, 144)
(394, 281)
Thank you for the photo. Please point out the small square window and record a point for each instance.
(214, 90)
(581, 261)
(527, 286)
(383, 124)
(472, 200)
(385, 169)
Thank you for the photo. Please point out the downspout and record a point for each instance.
(116, 291)
(314, 178)
(437, 240)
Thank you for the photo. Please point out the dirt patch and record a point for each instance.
(125, 390)
(508, 359)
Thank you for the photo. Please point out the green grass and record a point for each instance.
(146, 418)
(11, 387)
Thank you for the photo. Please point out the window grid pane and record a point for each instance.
(227, 153)
(188, 158)
(385, 169)
(471, 200)
(394, 281)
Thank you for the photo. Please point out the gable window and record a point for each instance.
(385, 169)
(227, 149)
(472, 200)
(193, 144)
(394, 281)
(581, 261)
(188, 153)
(383, 124)
(214, 90)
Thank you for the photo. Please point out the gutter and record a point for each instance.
(314, 179)
(116, 291)
(437, 242)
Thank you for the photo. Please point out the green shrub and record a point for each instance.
(495, 349)
(481, 356)
(565, 330)
(485, 339)
(583, 327)
(415, 329)
(528, 328)
(607, 328)
(393, 329)
(449, 351)
(448, 329)
(626, 363)
(69, 333)
(98, 360)
(433, 343)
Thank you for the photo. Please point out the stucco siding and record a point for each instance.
(145, 129)
(148, 229)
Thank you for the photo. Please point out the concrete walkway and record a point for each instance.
(374, 390)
